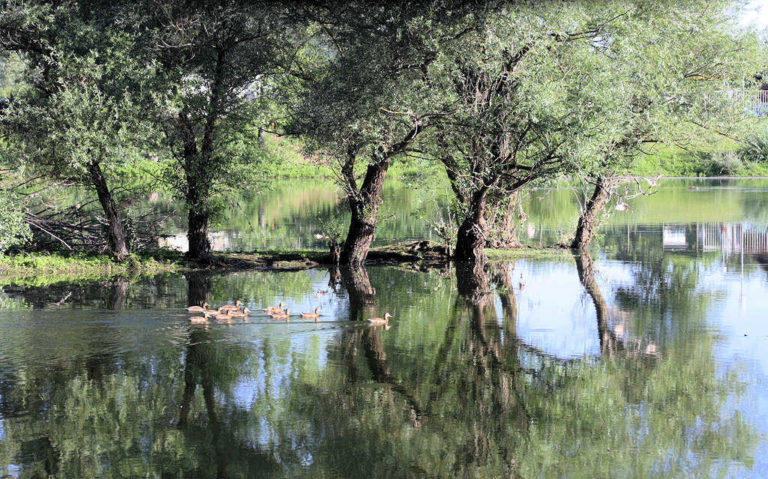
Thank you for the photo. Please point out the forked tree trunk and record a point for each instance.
(364, 206)
(589, 218)
(116, 237)
(470, 239)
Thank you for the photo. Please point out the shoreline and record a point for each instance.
(39, 269)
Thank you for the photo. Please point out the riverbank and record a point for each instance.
(44, 269)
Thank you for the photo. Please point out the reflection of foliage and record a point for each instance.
(449, 390)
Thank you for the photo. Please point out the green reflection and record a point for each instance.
(449, 390)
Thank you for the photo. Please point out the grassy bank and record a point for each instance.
(45, 269)
(721, 159)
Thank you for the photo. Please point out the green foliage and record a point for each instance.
(85, 97)
(13, 230)
(754, 148)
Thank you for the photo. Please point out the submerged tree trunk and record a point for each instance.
(470, 239)
(364, 205)
(362, 296)
(589, 218)
(116, 237)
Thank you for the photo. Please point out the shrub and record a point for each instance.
(754, 149)
(721, 163)
(14, 230)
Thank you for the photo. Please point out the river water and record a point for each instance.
(646, 359)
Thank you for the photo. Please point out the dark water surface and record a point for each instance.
(648, 359)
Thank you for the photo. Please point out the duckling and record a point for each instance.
(315, 315)
(199, 320)
(380, 321)
(282, 315)
(274, 309)
(197, 309)
(240, 314)
(223, 317)
(231, 307)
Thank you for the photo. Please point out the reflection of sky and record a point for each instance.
(554, 314)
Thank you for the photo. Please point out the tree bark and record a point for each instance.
(505, 234)
(364, 205)
(362, 296)
(335, 252)
(470, 239)
(116, 237)
(197, 193)
(588, 220)
(197, 236)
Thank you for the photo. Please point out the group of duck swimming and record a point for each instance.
(228, 312)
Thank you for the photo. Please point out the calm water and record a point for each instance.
(650, 361)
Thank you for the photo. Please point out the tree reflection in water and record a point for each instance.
(449, 390)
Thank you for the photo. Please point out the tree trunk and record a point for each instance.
(470, 239)
(362, 296)
(588, 220)
(335, 252)
(471, 281)
(116, 237)
(364, 206)
(506, 226)
(197, 235)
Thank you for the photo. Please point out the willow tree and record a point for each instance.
(80, 111)
(217, 58)
(673, 64)
(369, 101)
(525, 91)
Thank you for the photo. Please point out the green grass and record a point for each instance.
(522, 253)
(43, 269)
(672, 161)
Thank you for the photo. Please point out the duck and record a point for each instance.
(240, 314)
(380, 321)
(197, 309)
(274, 309)
(315, 315)
(231, 307)
(282, 315)
(199, 319)
(223, 317)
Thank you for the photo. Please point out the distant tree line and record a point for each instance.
(501, 95)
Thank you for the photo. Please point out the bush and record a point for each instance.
(14, 230)
(721, 164)
(754, 149)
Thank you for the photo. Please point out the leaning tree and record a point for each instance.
(368, 99)
(526, 95)
(80, 111)
(675, 63)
